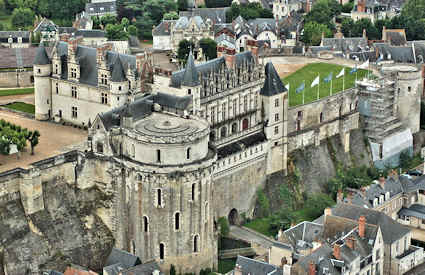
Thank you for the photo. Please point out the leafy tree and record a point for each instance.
(347, 27)
(2, 27)
(264, 204)
(132, 30)
(33, 137)
(247, 11)
(22, 17)
(315, 204)
(116, 32)
(313, 33)
(365, 24)
(323, 11)
(414, 9)
(172, 15)
(2, 5)
(173, 270)
(96, 22)
(108, 19)
(209, 47)
(182, 5)
(184, 49)
(224, 226)
(217, 3)
(347, 7)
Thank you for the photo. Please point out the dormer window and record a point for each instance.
(387, 196)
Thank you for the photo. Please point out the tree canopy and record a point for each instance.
(313, 33)
(248, 11)
(217, 3)
(209, 48)
(22, 17)
(323, 11)
(184, 49)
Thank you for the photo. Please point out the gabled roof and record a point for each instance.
(101, 7)
(41, 57)
(143, 269)
(120, 256)
(215, 15)
(171, 101)
(190, 76)
(118, 74)
(164, 28)
(272, 85)
(250, 266)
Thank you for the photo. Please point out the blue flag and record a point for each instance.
(353, 70)
(328, 78)
(300, 88)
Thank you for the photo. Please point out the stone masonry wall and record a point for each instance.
(12, 79)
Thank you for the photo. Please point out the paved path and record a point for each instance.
(54, 139)
(28, 98)
(250, 236)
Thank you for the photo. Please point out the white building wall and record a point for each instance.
(162, 42)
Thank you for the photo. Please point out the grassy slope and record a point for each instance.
(310, 72)
(23, 91)
(261, 225)
(20, 106)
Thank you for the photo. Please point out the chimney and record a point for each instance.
(65, 37)
(339, 196)
(307, 6)
(72, 45)
(140, 57)
(328, 211)
(252, 46)
(384, 33)
(362, 226)
(229, 56)
(312, 268)
(101, 51)
(382, 182)
(364, 34)
(361, 6)
(337, 251)
(350, 242)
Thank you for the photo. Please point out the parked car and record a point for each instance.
(415, 173)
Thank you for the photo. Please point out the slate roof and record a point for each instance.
(273, 84)
(17, 57)
(41, 57)
(216, 15)
(184, 22)
(399, 54)
(190, 76)
(240, 145)
(142, 269)
(118, 74)
(351, 44)
(163, 28)
(415, 210)
(120, 256)
(396, 38)
(291, 23)
(5, 35)
(45, 24)
(391, 230)
(102, 7)
(251, 266)
(225, 40)
(114, 269)
(91, 33)
(322, 257)
(260, 25)
(171, 101)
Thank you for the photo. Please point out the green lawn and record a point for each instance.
(23, 91)
(20, 106)
(226, 265)
(262, 226)
(310, 72)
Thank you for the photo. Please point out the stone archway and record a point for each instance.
(233, 217)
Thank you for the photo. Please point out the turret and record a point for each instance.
(275, 104)
(119, 84)
(191, 83)
(42, 84)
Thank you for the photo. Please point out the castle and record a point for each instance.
(176, 157)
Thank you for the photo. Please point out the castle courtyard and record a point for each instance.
(54, 139)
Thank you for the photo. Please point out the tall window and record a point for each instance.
(213, 115)
(104, 79)
(161, 251)
(276, 130)
(74, 91)
(73, 73)
(223, 107)
(276, 117)
(177, 221)
(245, 103)
(159, 196)
(74, 112)
(321, 117)
(104, 97)
(195, 243)
(276, 102)
(158, 155)
(57, 88)
(188, 153)
(145, 224)
(193, 191)
(57, 68)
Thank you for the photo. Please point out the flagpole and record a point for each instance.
(303, 91)
(343, 80)
(318, 89)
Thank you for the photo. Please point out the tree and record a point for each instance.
(2, 5)
(184, 49)
(132, 30)
(209, 48)
(173, 270)
(172, 15)
(365, 24)
(217, 3)
(22, 17)
(313, 33)
(247, 11)
(182, 5)
(347, 7)
(33, 137)
(116, 32)
(347, 27)
(323, 11)
(108, 19)
(224, 226)
(414, 9)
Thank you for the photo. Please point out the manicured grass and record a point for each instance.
(310, 72)
(23, 91)
(20, 106)
(226, 265)
(262, 226)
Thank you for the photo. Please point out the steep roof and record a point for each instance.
(164, 28)
(250, 266)
(144, 269)
(120, 256)
(176, 102)
(190, 76)
(118, 74)
(101, 7)
(272, 85)
(215, 15)
(17, 57)
(41, 57)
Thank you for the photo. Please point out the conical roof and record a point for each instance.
(190, 77)
(118, 74)
(272, 85)
(41, 57)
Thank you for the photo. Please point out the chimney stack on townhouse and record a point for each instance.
(101, 51)
(362, 226)
(65, 37)
(337, 251)
(312, 268)
(228, 54)
(252, 46)
(350, 242)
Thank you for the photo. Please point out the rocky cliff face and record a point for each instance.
(66, 231)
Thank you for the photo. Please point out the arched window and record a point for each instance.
(223, 132)
(212, 136)
(234, 128)
(245, 124)
(193, 191)
(188, 153)
(161, 251)
(145, 224)
(177, 221)
(159, 197)
(195, 243)
(133, 150)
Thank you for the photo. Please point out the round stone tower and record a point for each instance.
(119, 84)
(42, 84)
(407, 93)
(169, 170)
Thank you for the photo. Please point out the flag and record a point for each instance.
(300, 88)
(315, 82)
(328, 78)
(364, 65)
(353, 70)
(287, 86)
(341, 73)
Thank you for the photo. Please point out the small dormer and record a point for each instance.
(387, 196)
(381, 199)
(375, 202)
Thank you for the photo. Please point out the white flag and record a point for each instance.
(364, 65)
(315, 82)
(341, 73)
(287, 86)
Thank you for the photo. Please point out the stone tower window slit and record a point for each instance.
(177, 221)
(159, 196)
(145, 224)
(193, 191)
(195, 243)
(161, 251)
(158, 155)
(188, 153)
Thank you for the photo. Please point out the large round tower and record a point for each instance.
(42, 84)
